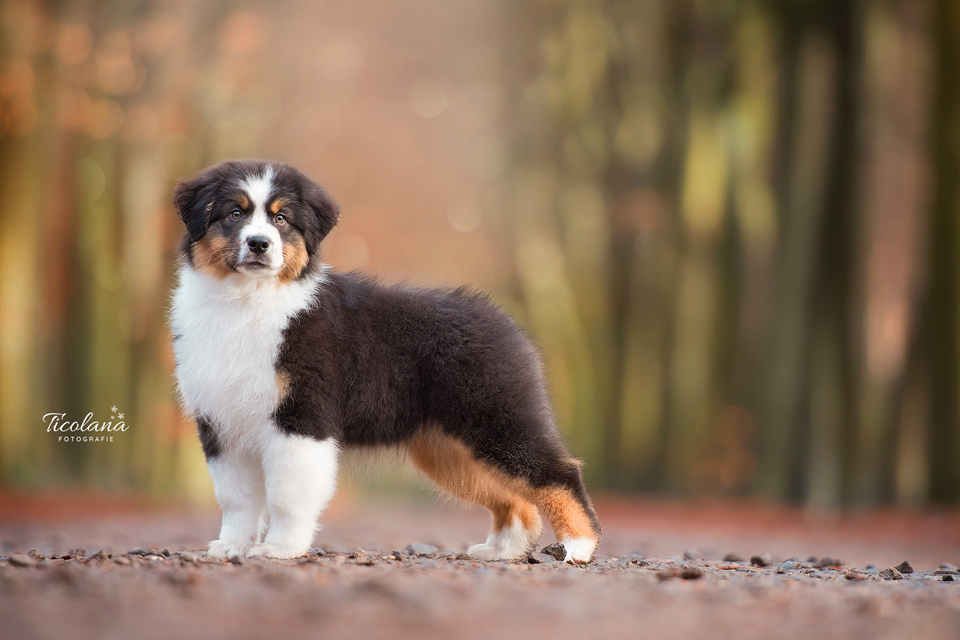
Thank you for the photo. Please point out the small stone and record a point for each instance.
(236, 559)
(811, 560)
(851, 574)
(690, 573)
(557, 550)
(904, 567)
(541, 558)
(610, 563)
(732, 557)
(33, 553)
(419, 549)
(79, 552)
(948, 578)
(317, 553)
(692, 554)
(165, 553)
(186, 556)
(669, 572)
(122, 560)
(22, 560)
(789, 565)
(99, 555)
(138, 552)
(891, 574)
(763, 560)
(399, 554)
(827, 561)
(360, 557)
(946, 572)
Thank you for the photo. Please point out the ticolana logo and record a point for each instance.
(87, 430)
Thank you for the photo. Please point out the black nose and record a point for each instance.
(258, 244)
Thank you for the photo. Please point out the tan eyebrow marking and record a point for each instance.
(276, 205)
(242, 200)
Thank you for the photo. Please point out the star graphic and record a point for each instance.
(120, 416)
(113, 408)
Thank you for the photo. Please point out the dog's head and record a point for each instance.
(257, 218)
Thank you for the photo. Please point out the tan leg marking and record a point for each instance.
(565, 513)
(453, 467)
(283, 386)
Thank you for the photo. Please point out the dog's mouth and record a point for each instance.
(253, 264)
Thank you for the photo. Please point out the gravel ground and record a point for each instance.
(389, 571)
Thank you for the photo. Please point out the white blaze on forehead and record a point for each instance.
(258, 188)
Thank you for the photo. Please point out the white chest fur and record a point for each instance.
(228, 333)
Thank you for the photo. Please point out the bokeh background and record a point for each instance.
(732, 225)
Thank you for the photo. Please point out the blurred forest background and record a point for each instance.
(731, 224)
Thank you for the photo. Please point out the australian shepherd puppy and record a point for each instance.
(284, 362)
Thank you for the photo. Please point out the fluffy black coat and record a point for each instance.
(374, 363)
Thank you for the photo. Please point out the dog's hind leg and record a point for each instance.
(565, 503)
(535, 465)
(450, 464)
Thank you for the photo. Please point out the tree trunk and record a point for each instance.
(943, 315)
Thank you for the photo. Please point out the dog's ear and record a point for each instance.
(193, 198)
(325, 211)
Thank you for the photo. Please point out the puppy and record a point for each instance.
(284, 362)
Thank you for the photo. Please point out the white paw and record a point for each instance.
(579, 550)
(486, 551)
(226, 548)
(509, 543)
(273, 550)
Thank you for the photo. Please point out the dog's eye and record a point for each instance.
(235, 215)
(280, 219)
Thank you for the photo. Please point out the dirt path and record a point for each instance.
(641, 584)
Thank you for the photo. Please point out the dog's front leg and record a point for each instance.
(239, 487)
(301, 476)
